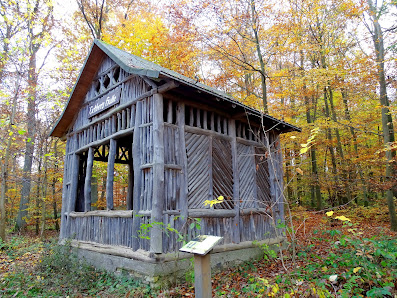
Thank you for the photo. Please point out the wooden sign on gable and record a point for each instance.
(105, 102)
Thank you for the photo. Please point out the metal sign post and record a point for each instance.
(200, 247)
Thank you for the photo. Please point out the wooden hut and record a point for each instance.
(183, 143)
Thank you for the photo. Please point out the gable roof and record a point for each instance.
(138, 66)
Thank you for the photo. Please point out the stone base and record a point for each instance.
(163, 270)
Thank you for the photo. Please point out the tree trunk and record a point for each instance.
(44, 194)
(260, 57)
(387, 120)
(355, 146)
(30, 137)
(4, 168)
(331, 149)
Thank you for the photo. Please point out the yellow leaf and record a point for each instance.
(355, 270)
(342, 218)
(303, 150)
(329, 213)
(299, 171)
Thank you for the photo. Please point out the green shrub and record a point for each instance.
(60, 273)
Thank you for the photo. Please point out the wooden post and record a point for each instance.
(236, 184)
(156, 236)
(65, 189)
(210, 171)
(271, 161)
(181, 147)
(130, 184)
(202, 276)
(136, 145)
(74, 182)
(110, 174)
(88, 176)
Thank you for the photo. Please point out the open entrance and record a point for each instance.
(120, 186)
(110, 174)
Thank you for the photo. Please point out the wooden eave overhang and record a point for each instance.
(138, 66)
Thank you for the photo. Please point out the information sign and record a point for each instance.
(201, 244)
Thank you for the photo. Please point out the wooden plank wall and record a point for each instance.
(103, 129)
(208, 140)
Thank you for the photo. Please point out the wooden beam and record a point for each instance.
(197, 130)
(103, 141)
(211, 213)
(156, 236)
(87, 183)
(110, 174)
(104, 213)
(120, 251)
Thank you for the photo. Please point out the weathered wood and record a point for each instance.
(222, 172)
(262, 178)
(74, 182)
(198, 163)
(114, 250)
(181, 147)
(130, 185)
(210, 169)
(236, 184)
(103, 213)
(211, 213)
(248, 211)
(110, 174)
(169, 112)
(87, 183)
(100, 142)
(191, 116)
(163, 88)
(137, 175)
(156, 236)
(211, 133)
(198, 120)
(66, 189)
(123, 120)
(249, 142)
(202, 276)
(212, 127)
(166, 166)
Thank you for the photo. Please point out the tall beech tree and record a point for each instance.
(377, 34)
(39, 18)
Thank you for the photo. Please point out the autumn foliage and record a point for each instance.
(326, 66)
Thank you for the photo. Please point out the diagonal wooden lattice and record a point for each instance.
(197, 150)
(262, 177)
(246, 170)
(122, 153)
(222, 172)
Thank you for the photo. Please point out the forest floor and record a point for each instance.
(331, 258)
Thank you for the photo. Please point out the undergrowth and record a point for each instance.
(334, 258)
(58, 272)
(351, 266)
